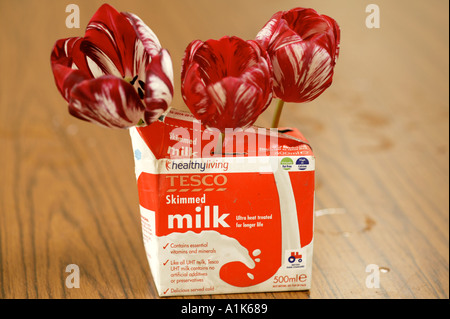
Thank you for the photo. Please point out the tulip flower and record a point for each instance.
(303, 47)
(117, 75)
(226, 83)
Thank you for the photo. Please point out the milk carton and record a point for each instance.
(235, 219)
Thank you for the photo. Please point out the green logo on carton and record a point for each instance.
(286, 163)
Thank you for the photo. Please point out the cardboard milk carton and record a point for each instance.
(231, 221)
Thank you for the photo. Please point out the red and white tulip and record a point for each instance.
(117, 75)
(226, 83)
(303, 47)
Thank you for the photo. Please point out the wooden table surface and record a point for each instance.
(380, 133)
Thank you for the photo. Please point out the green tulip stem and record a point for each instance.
(277, 115)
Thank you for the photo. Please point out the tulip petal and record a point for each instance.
(260, 75)
(64, 71)
(145, 34)
(107, 101)
(303, 46)
(306, 67)
(265, 35)
(283, 36)
(188, 57)
(66, 78)
(237, 104)
(306, 22)
(226, 83)
(158, 85)
(62, 51)
(222, 98)
(228, 56)
(193, 87)
(108, 44)
(260, 78)
(158, 73)
(193, 90)
(146, 47)
(334, 36)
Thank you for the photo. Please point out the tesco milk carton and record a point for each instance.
(230, 221)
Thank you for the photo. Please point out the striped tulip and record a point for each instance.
(226, 83)
(117, 75)
(303, 47)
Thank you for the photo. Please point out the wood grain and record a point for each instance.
(380, 133)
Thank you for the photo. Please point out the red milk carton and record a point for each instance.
(240, 220)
